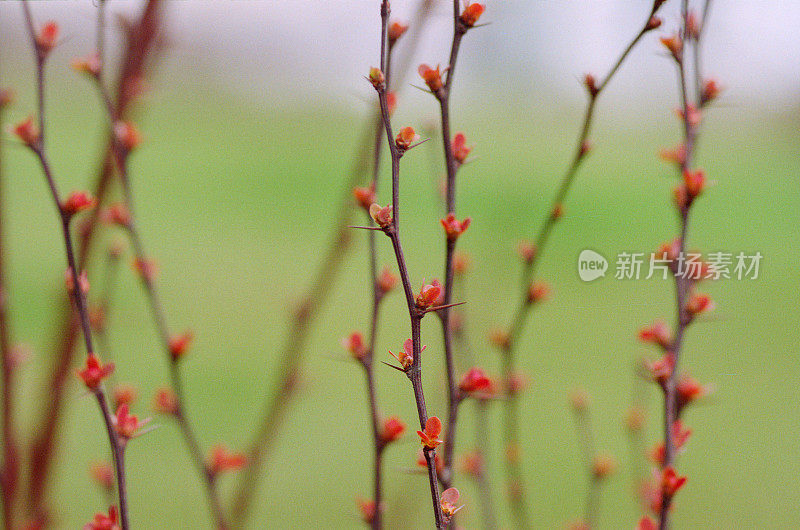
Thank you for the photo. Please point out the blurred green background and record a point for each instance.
(236, 201)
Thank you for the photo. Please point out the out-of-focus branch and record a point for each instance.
(139, 45)
(509, 340)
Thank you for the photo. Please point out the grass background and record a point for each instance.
(236, 200)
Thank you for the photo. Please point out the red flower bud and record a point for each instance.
(89, 65)
(396, 30)
(471, 14)
(450, 498)
(537, 291)
(47, 38)
(94, 372)
(221, 460)
(430, 436)
(591, 84)
(500, 338)
(453, 227)
(179, 344)
(695, 182)
(386, 281)
(367, 509)
(391, 102)
(127, 425)
(676, 155)
(688, 390)
(166, 402)
(472, 464)
(429, 295)
(671, 482)
(432, 78)
(117, 214)
(459, 148)
(406, 356)
(28, 132)
(354, 343)
(365, 196)
(103, 474)
(645, 523)
(656, 333)
(516, 383)
(603, 466)
(381, 215)
(461, 263)
(674, 44)
(77, 201)
(711, 90)
(692, 25)
(695, 115)
(147, 269)
(69, 281)
(377, 78)
(526, 251)
(679, 439)
(405, 138)
(699, 303)
(653, 23)
(475, 380)
(127, 135)
(124, 395)
(392, 430)
(660, 370)
(102, 521)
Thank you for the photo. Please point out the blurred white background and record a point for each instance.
(290, 51)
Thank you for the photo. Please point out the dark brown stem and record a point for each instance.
(683, 284)
(451, 165)
(139, 44)
(78, 295)
(513, 469)
(414, 372)
(9, 472)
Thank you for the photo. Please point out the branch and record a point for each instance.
(509, 340)
(37, 145)
(414, 372)
(140, 40)
(9, 469)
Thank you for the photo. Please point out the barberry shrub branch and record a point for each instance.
(126, 138)
(387, 218)
(317, 293)
(9, 466)
(139, 37)
(388, 430)
(696, 93)
(43, 41)
(533, 291)
(455, 153)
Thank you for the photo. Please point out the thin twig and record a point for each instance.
(140, 40)
(683, 283)
(78, 295)
(297, 332)
(511, 420)
(9, 470)
(414, 372)
(451, 165)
